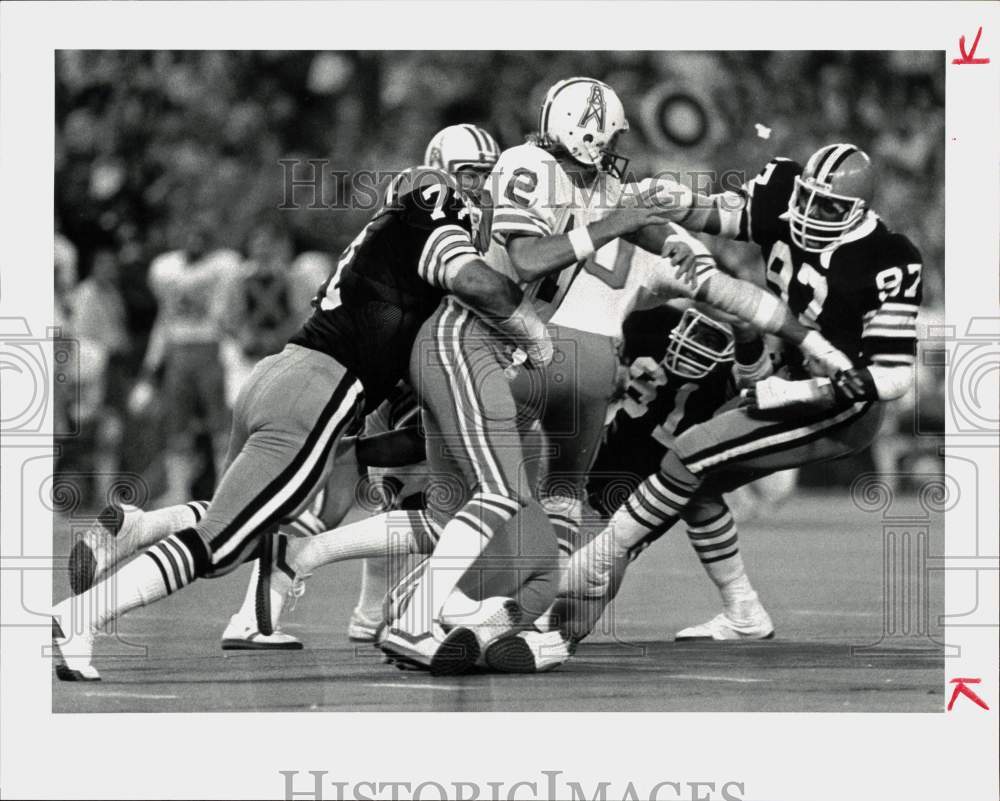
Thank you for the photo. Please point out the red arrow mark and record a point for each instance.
(961, 689)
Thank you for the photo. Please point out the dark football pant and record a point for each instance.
(289, 419)
(733, 448)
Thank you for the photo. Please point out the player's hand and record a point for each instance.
(855, 385)
(778, 393)
(684, 259)
(141, 396)
(539, 351)
(658, 203)
(822, 358)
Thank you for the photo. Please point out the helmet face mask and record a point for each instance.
(819, 219)
(697, 345)
(830, 198)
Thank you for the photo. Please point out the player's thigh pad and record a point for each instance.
(295, 411)
(457, 370)
(736, 439)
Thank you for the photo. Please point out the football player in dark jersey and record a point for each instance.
(836, 264)
(298, 405)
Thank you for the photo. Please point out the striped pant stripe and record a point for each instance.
(452, 326)
(292, 487)
(771, 439)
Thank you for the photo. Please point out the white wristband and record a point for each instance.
(582, 244)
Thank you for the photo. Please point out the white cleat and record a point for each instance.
(756, 626)
(363, 628)
(429, 650)
(105, 544)
(493, 617)
(243, 632)
(529, 652)
(239, 636)
(72, 656)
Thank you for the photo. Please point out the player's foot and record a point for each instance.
(102, 546)
(239, 636)
(243, 632)
(362, 628)
(756, 626)
(72, 657)
(529, 652)
(416, 651)
(470, 632)
(492, 618)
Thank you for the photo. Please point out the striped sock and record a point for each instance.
(650, 511)
(463, 540)
(155, 574)
(152, 526)
(565, 514)
(716, 542)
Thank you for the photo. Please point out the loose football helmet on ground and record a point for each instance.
(697, 345)
(831, 197)
(584, 116)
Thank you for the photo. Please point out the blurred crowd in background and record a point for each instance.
(151, 146)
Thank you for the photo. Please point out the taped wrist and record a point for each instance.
(753, 363)
(582, 244)
(524, 325)
(748, 302)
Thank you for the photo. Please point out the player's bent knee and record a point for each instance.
(200, 552)
(672, 465)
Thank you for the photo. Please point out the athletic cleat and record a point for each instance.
(458, 653)
(240, 637)
(529, 652)
(493, 618)
(102, 546)
(410, 651)
(76, 667)
(362, 628)
(722, 627)
(272, 591)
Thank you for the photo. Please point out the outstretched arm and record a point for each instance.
(501, 303)
(770, 315)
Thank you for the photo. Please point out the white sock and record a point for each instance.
(738, 595)
(150, 527)
(374, 586)
(138, 583)
(380, 536)
(460, 545)
(248, 611)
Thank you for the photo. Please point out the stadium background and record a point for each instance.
(147, 142)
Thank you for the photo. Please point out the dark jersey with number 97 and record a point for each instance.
(389, 280)
(863, 295)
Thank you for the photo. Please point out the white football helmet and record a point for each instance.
(460, 146)
(697, 345)
(584, 116)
